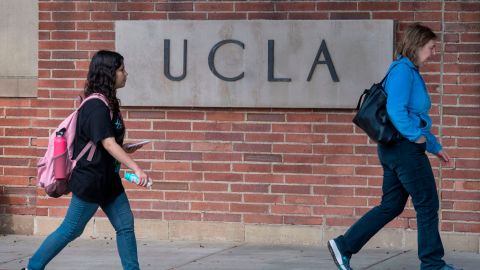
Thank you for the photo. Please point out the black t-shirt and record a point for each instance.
(98, 180)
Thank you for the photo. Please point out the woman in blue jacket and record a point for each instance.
(407, 170)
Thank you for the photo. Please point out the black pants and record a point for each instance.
(407, 171)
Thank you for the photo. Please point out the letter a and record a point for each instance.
(328, 60)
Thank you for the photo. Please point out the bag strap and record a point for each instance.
(365, 92)
(386, 75)
(96, 96)
(362, 97)
(91, 145)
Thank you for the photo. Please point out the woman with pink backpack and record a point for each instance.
(96, 183)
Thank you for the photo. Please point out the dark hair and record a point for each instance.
(102, 75)
(415, 37)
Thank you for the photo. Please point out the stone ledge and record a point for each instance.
(100, 227)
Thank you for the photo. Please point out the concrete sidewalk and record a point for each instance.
(168, 255)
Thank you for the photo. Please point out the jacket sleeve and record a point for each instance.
(432, 144)
(399, 88)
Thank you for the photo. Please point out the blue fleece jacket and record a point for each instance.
(408, 103)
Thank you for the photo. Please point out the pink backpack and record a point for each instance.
(45, 166)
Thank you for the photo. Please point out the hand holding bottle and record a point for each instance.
(139, 177)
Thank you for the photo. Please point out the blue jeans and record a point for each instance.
(407, 171)
(78, 215)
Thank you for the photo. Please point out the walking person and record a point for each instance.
(406, 167)
(97, 183)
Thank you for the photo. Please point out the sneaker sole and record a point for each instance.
(336, 255)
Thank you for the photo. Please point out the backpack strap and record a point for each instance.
(90, 145)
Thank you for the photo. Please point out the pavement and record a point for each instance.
(89, 254)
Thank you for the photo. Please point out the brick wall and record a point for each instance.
(251, 166)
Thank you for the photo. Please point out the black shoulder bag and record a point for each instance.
(372, 115)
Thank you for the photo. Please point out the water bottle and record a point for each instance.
(60, 155)
(133, 178)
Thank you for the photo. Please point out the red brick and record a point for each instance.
(428, 16)
(147, 16)
(56, 45)
(69, 55)
(469, 16)
(462, 27)
(213, 7)
(377, 6)
(305, 138)
(248, 208)
(263, 178)
(223, 197)
(208, 187)
(346, 180)
(254, 6)
(305, 179)
(402, 16)
(267, 16)
(219, 136)
(212, 126)
(413, 6)
(230, 157)
(107, 16)
(299, 6)
(250, 147)
(227, 16)
(135, 6)
(333, 149)
(172, 125)
(174, 6)
(470, 37)
(96, 6)
(146, 114)
(184, 196)
(183, 176)
(251, 127)
(187, 16)
(347, 201)
(350, 15)
(462, 6)
(179, 115)
(266, 117)
(62, 6)
(257, 188)
(56, 26)
(261, 198)
(264, 137)
(290, 189)
(204, 206)
(70, 16)
(95, 26)
(297, 128)
(56, 65)
(336, 6)
(44, 16)
(214, 167)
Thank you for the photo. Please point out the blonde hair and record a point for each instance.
(415, 37)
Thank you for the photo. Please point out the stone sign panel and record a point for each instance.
(278, 64)
(18, 48)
